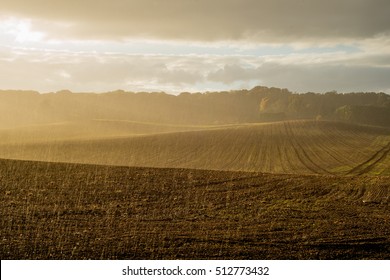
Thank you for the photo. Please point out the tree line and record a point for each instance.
(259, 104)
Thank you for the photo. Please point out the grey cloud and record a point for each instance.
(205, 20)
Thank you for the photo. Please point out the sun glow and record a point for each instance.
(20, 31)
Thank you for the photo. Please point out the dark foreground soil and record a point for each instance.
(69, 211)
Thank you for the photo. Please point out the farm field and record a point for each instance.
(72, 211)
(293, 147)
(128, 190)
(88, 129)
(168, 130)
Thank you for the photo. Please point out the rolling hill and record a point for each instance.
(107, 189)
(298, 147)
(89, 129)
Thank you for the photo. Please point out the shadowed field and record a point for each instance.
(294, 147)
(70, 211)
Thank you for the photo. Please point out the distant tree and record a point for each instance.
(264, 104)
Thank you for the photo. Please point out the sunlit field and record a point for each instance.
(292, 147)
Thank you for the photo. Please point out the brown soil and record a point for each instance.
(71, 211)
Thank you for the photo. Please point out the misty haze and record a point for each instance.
(194, 129)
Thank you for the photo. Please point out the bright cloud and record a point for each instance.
(178, 45)
(19, 31)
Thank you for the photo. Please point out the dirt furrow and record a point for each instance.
(369, 164)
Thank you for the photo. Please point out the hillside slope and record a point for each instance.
(301, 147)
(91, 129)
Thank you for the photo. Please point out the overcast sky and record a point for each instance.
(195, 45)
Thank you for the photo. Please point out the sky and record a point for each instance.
(195, 45)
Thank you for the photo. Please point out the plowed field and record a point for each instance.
(126, 190)
(297, 147)
(70, 211)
